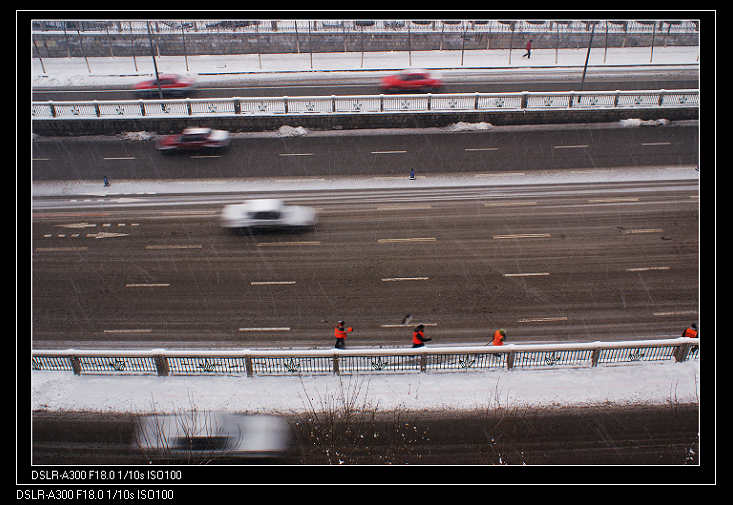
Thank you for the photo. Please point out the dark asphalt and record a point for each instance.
(369, 152)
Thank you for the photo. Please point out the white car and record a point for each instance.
(268, 213)
(199, 434)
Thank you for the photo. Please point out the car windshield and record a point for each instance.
(265, 214)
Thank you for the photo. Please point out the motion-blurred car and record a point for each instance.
(412, 79)
(200, 436)
(170, 85)
(267, 214)
(194, 139)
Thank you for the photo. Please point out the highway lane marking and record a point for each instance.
(579, 146)
(398, 240)
(268, 283)
(296, 154)
(142, 330)
(613, 200)
(500, 174)
(644, 269)
(480, 148)
(397, 279)
(60, 249)
(543, 319)
(412, 325)
(197, 246)
(678, 313)
(523, 235)
(528, 274)
(150, 285)
(206, 156)
(644, 230)
(656, 143)
(41, 159)
(283, 328)
(405, 207)
(388, 152)
(508, 204)
(125, 158)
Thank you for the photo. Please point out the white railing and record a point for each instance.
(305, 26)
(366, 104)
(332, 361)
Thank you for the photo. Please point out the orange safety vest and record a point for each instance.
(498, 338)
(689, 332)
(417, 336)
(341, 332)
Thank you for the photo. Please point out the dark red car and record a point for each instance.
(170, 85)
(411, 80)
(194, 139)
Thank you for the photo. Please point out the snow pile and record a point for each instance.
(292, 131)
(635, 123)
(632, 384)
(136, 136)
(462, 126)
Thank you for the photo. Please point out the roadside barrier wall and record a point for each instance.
(239, 114)
(251, 363)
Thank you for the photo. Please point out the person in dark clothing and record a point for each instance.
(529, 49)
(418, 336)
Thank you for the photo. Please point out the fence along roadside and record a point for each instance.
(288, 362)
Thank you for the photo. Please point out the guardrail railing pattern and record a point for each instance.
(358, 361)
(366, 104)
(304, 26)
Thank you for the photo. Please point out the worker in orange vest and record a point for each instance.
(418, 336)
(690, 331)
(340, 334)
(499, 336)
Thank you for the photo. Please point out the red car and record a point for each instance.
(412, 79)
(170, 85)
(194, 139)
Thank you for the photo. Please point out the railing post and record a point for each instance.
(523, 103)
(188, 106)
(510, 361)
(285, 101)
(333, 103)
(161, 363)
(594, 357)
(681, 352)
(661, 97)
(142, 107)
(336, 369)
(248, 366)
(75, 365)
(237, 105)
(53, 108)
(423, 362)
(96, 108)
(381, 103)
(615, 99)
(475, 101)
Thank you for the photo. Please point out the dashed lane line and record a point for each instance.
(401, 240)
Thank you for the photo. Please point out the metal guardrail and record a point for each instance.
(303, 26)
(345, 362)
(366, 104)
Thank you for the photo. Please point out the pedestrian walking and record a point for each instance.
(499, 336)
(412, 174)
(528, 47)
(340, 334)
(690, 331)
(418, 336)
(106, 182)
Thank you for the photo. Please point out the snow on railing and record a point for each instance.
(366, 104)
(249, 362)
